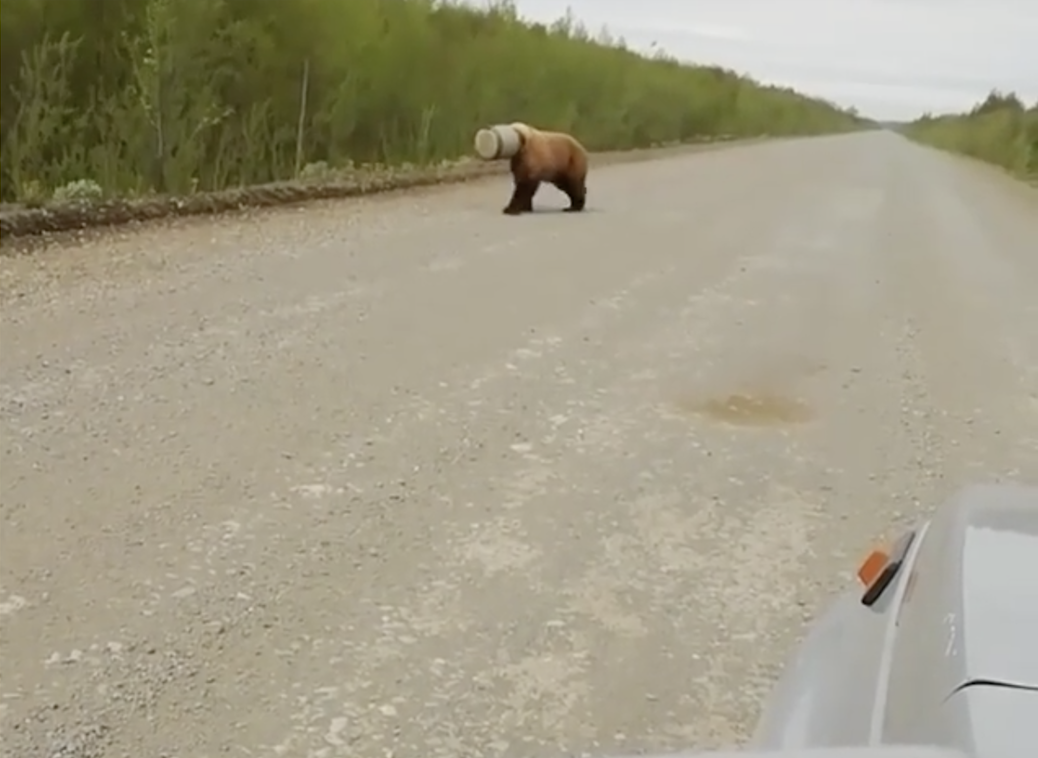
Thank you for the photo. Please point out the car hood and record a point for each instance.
(997, 621)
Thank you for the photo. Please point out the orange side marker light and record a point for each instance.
(881, 566)
(872, 567)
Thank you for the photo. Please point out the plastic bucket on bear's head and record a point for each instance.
(499, 142)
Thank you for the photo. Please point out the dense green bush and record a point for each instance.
(1000, 130)
(178, 95)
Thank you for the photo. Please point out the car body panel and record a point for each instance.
(971, 616)
(954, 632)
(812, 704)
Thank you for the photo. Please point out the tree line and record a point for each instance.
(1001, 130)
(131, 97)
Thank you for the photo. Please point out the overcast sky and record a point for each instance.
(892, 59)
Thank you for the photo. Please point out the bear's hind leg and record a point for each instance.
(575, 191)
(522, 198)
(577, 199)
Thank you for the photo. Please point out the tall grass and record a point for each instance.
(139, 96)
(1000, 130)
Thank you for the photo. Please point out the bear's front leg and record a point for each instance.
(522, 198)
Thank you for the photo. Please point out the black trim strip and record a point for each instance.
(995, 683)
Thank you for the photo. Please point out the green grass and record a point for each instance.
(1000, 130)
(129, 97)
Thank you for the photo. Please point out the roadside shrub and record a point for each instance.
(1000, 130)
(79, 191)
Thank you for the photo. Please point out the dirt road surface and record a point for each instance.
(405, 477)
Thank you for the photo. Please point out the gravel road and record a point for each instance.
(406, 477)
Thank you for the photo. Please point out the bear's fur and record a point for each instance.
(553, 157)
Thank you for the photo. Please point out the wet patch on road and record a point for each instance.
(749, 409)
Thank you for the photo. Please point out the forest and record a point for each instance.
(127, 98)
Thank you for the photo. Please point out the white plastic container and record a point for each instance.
(497, 143)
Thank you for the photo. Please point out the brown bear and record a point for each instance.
(554, 157)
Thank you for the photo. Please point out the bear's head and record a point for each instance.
(523, 130)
